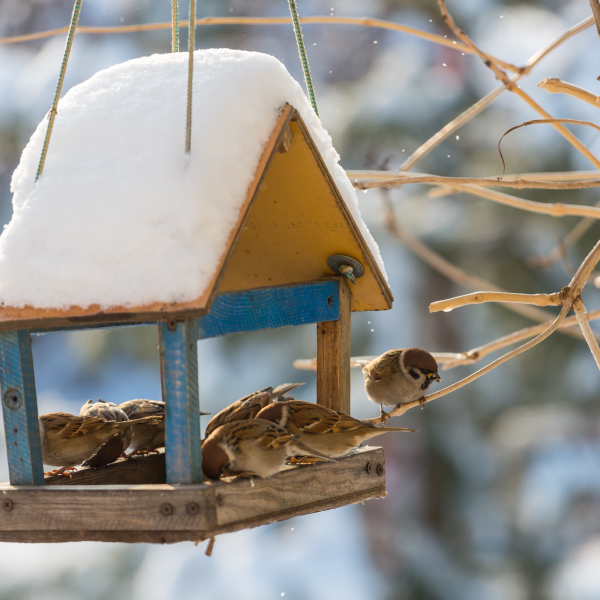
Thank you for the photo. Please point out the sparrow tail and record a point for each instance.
(284, 388)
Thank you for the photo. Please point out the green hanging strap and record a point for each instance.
(302, 52)
(191, 45)
(174, 26)
(61, 77)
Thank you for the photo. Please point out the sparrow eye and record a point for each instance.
(414, 373)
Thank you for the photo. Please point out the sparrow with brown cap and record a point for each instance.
(399, 377)
(250, 447)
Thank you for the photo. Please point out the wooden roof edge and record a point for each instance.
(370, 259)
(271, 148)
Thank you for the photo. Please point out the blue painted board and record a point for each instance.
(178, 347)
(19, 407)
(268, 308)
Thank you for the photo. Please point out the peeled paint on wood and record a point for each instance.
(168, 514)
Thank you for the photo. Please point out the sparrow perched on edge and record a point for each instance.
(250, 447)
(68, 440)
(118, 443)
(329, 432)
(248, 406)
(399, 377)
(147, 437)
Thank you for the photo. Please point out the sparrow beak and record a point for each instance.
(433, 377)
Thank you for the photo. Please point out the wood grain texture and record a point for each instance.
(19, 407)
(125, 471)
(268, 308)
(178, 347)
(296, 223)
(172, 513)
(333, 356)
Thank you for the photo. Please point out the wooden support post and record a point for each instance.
(333, 356)
(179, 375)
(19, 407)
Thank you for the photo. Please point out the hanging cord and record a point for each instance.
(191, 45)
(61, 77)
(302, 52)
(174, 26)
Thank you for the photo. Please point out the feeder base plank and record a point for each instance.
(164, 513)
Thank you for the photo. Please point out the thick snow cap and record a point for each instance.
(120, 216)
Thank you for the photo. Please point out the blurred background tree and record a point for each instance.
(498, 496)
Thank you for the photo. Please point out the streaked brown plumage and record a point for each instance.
(250, 447)
(146, 437)
(329, 432)
(68, 440)
(399, 376)
(248, 406)
(118, 443)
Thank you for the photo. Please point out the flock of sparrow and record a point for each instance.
(255, 435)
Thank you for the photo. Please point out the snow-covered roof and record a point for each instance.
(121, 216)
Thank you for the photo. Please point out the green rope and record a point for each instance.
(191, 45)
(61, 77)
(302, 52)
(174, 26)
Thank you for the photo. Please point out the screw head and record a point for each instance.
(369, 468)
(193, 508)
(7, 505)
(166, 509)
(12, 398)
(379, 469)
(220, 500)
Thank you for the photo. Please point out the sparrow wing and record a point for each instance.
(245, 408)
(387, 363)
(72, 426)
(315, 419)
(136, 409)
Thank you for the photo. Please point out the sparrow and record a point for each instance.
(68, 440)
(399, 377)
(250, 447)
(324, 430)
(147, 437)
(118, 443)
(248, 406)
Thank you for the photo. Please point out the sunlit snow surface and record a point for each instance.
(120, 215)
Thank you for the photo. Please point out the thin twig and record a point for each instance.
(329, 20)
(510, 85)
(310, 364)
(476, 354)
(555, 209)
(455, 274)
(402, 408)
(559, 176)
(584, 323)
(481, 297)
(434, 141)
(554, 85)
(541, 122)
(395, 180)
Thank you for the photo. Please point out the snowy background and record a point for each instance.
(498, 496)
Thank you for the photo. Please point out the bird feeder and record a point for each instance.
(285, 263)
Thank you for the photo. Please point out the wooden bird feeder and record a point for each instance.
(274, 273)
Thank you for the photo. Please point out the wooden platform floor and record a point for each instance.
(142, 508)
